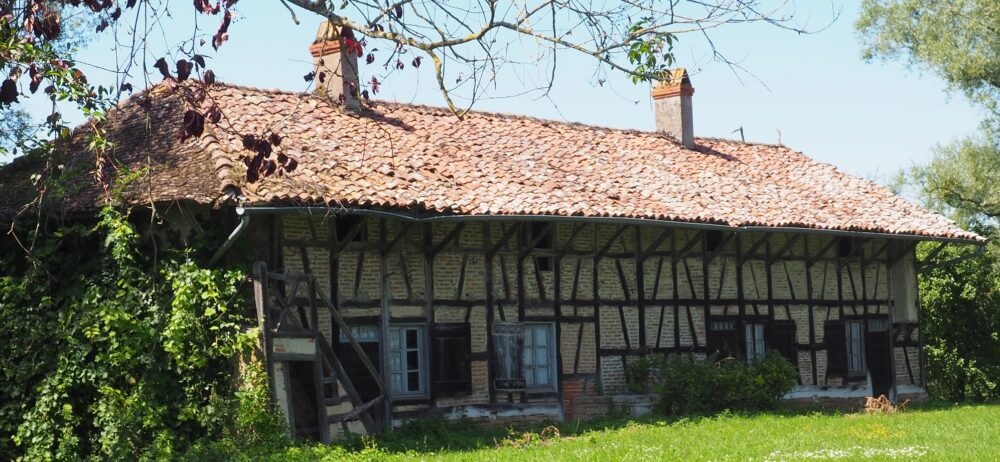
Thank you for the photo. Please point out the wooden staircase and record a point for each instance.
(289, 310)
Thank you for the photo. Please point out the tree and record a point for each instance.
(958, 40)
(468, 43)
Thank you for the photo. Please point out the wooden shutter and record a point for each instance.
(780, 336)
(452, 358)
(836, 348)
(724, 338)
(508, 344)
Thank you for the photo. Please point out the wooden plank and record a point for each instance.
(688, 246)
(673, 276)
(427, 234)
(452, 235)
(640, 283)
(352, 393)
(772, 257)
(385, 314)
(349, 237)
(814, 367)
(503, 239)
(488, 261)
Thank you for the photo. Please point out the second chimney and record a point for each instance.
(336, 69)
(672, 107)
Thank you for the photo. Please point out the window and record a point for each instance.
(525, 356)
(452, 358)
(539, 356)
(508, 343)
(723, 338)
(534, 230)
(855, 364)
(754, 337)
(345, 225)
(407, 361)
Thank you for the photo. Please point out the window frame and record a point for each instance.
(855, 344)
(753, 341)
(422, 362)
(552, 363)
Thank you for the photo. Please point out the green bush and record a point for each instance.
(688, 386)
(107, 355)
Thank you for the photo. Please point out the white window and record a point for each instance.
(407, 361)
(539, 356)
(755, 341)
(854, 352)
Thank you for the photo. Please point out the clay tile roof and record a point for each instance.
(424, 160)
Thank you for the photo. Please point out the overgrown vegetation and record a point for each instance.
(956, 40)
(108, 356)
(689, 386)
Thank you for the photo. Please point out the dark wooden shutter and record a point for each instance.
(452, 358)
(780, 337)
(836, 348)
(508, 344)
(724, 338)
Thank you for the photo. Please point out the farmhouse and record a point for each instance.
(502, 267)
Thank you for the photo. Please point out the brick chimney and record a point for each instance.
(336, 69)
(672, 107)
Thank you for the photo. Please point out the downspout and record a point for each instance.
(242, 226)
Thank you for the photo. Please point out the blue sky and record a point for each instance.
(867, 119)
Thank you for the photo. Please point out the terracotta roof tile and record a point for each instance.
(425, 160)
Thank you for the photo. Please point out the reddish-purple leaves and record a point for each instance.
(214, 114)
(183, 69)
(309, 77)
(8, 92)
(416, 61)
(376, 85)
(164, 69)
(194, 124)
(222, 34)
(208, 77)
(259, 163)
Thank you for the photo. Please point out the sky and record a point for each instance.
(811, 92)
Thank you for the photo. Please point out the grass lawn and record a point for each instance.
(930, 433)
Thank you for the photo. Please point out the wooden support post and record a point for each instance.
(673, 275)
(640, 287)
(384, 319)
(812, 317)
(427, 235)
(557, 307)
(491, 374)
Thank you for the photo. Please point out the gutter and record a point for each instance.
(242, 226)
(245, 213)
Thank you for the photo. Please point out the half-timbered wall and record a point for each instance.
(612, 292)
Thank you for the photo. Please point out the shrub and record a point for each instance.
(688, 386)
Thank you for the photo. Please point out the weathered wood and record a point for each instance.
(451, 236)
(814, 367)
(504, 238)
(488, 261)
(640, 283)
(772, 257)
(687, 250)
(385, 314)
